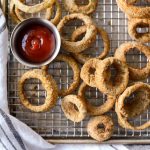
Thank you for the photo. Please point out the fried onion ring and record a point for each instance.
(79, 46)
(76, 71)
(87, 73)
(72, 7)
(98, 133)
(133, 11)
(49, 85)
(48, 13)
(83, 58)
(96, 110)
(74, 108)
(139, 103)
(133, 24)
(103, 76)
(35, 8)
(134, 73)
(12, 13)
(123, 114)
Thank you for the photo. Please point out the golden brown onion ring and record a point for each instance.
(47, 15)
(49, 85)
(133, 24)
(76, 74)
(79, 46)
(133, 11)
(103, 76)
(122, 113)
(134, 73)
(12, 12)
(74, 108)
(72, 7)
(139, 102)
(88, 72)
(98, 133)
(96, 110)
(103, 34)
(35, 8)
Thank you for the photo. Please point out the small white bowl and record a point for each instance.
(27, 22)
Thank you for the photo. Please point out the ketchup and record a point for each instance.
(36, 43)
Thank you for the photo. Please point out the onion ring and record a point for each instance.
(79, 46)
(133, 24)
(72, 7)
(96, 110)
(122, 114)
(88, 72)
(134, 73)
(74, 108)
(140, 102)
(12, 13)
(76, 77)
(35, 8)
(49, 85)
(83, 58)
(103, 74)
(48, 13)
(133, 11)
(97, 133)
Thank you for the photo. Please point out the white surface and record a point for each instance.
(3, 65)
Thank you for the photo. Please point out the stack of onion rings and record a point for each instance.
(79, 46)
(133, 11)
(103, 74)
(76, 71)
(123, 114)
(98, 133)
(133, 24)
(49, 85)
(96, 110)
(134, 73)
(72, 7)
(74, 108)
(83, 58)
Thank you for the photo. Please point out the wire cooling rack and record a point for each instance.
(53, 125)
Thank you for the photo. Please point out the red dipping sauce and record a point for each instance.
(36, 43)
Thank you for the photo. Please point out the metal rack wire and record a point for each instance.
(53, 124)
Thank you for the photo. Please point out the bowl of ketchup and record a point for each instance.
(35, 42)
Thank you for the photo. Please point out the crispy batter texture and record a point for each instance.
(102, 76)
(123, 114)
(79, 46)
(133, 11)
(88, 72)
(74, 108)
(76, 74)
(49, 85)
(35, 8)
(102, 33)
(134, 73)
(72, 7)
(96, 110)
(133, 24)
(97, 133)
